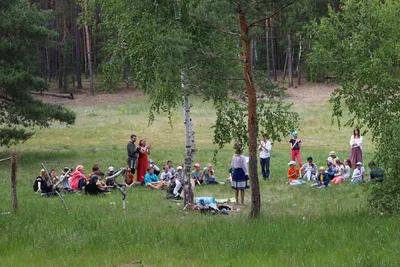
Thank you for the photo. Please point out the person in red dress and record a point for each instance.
(142, 165)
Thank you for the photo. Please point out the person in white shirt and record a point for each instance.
(265, 154)
(357, 174)
(356, 147)
(240, 176)
(309, 170)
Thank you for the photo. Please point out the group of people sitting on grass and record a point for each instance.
(98, 182)
(335, 172)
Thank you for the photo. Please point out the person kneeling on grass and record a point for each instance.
(294, 174)
(151, 180)
(92, 188)
(322, 178)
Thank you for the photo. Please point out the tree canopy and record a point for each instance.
(360, 46)
(22, 27)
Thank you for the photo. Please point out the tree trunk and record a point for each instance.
(290, 60)
(273, 49)
(14, 199)
(78, 71)
(89, 58)
(189, 133)
(285, 66)
(335, 4)
(299, 62)
(267, 45)
(252, 114)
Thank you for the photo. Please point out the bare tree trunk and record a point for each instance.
(285, 66)
(290, 60)
(14, 199)
(89, 57)
(267, 45)
(189, 133)
(299, 61)
(252, 114)
(273, 49)
(48, 59)
(78, 71)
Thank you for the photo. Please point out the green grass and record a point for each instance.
(299, 226)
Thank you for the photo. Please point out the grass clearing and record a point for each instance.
(299, 226)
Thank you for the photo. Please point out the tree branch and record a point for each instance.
(225, 78)
(270, 16)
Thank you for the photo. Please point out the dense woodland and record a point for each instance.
(279, 47)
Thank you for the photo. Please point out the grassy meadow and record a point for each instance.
(299, 226)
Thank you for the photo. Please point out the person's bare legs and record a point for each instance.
(237, 196)
(242, 196)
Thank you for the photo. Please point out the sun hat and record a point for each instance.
(197, 165)
(179, 168)
(294, 133)
(359, 163)
(292, 163)
(332, 153)
(111, 169)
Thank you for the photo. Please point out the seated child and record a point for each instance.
(170, 168)
(101, 184)
(339, 169)
(347, 169)
(294, 174)
(111, 181)
(196, 175)
(129, 180)
(78, 180)
(330, 171)
(309, 170)
(375, 175)
(155, 167)
(322, 178)
(208, 174)
(357, 175)
(166, 175)
(175, 186)
(151, 180)
(92, 188)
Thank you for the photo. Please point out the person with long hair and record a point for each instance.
(240, 176)
(356, 147)
(143, 163)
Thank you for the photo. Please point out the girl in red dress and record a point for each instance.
(142, 160)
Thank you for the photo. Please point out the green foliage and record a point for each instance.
(21, 27)
(360, 46)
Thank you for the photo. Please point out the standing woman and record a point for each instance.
(142, 165)
(295, 144)
(240, 176)
(356, 147)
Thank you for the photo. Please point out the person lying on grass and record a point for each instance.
(294, 174)
(78, 180)
(322, 178)
(151, 180)
(208, 174)
(196, 175)
(92, 187)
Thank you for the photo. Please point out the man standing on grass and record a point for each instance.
(132, 154)
(265, 153)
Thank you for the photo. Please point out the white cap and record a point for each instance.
(111, 169)
(359, 163)
(292, 163)
(179, 168)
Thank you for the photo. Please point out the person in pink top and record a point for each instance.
(78, 179)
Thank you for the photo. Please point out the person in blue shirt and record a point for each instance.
(322, 178)
(151, 180)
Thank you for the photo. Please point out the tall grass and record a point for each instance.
(298, 226)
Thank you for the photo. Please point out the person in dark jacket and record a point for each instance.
(322, 178)
(92, 188)
(132, 153)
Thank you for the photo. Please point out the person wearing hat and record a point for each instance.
(332, 157)
(92, 188)
(240, 176)
(295, 144)
(309, 169)
(357, 174)
(196, 175)
(294, 174)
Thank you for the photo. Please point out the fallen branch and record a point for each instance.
(70, 95)
(1, 160)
